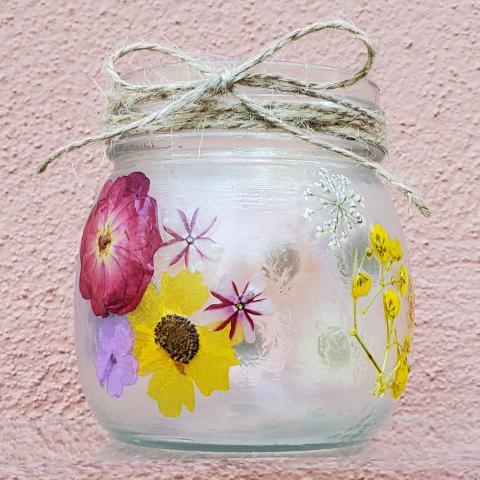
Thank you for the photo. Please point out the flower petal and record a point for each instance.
(208, 249)
(171, 390)
(123, 339)
(202, 222)
(226, 290)
(114, 384)
(183, 294)
(248, 331)
(262, 306)
(127, 367)
(102, 366)
(149, 310)
(176, 225)
(194, 261)
(106, 332)
(173, 251)
(254, 287)
(210, 367)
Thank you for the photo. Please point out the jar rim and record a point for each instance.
(364, 90)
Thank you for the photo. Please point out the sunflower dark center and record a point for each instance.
(104, 241)
(178, 337)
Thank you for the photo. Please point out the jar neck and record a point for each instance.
(235, 145)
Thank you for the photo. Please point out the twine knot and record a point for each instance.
(198, 103)
(226, 81)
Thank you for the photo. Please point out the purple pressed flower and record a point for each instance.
(115, 364)
(240, 307)
(189, 238)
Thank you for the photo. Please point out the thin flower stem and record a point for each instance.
(369, 304)
(367, 352)
(354, 334)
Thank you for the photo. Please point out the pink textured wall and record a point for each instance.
(50, 63)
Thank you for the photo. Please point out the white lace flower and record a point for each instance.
(332, 193)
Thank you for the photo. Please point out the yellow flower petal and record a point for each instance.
(210, 367)
(391, 305)
(380, 243)
(361, 285)
(396, 252)
(402, 280)
(402, 370)
(183, 294)
(149, 310)
(171, 389)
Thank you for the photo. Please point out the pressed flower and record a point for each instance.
(331, 192)
(177, 353)
(361, 285)
(396, 252)
(118, 243)
(239, 307)
(391, 305)
(190, 240)
(411, 306)
(402, 280)
(115, 365)
(380, 242)
(402, 369)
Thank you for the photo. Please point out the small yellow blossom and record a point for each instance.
(391, 305)
(402, 280)
(361, 285)
(396, 252)
(380, 242)
(402, 369)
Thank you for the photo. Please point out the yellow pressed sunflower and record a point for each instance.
(396, 252)
(361, 285)
(402, 280)
(391, 305)
(176, 352)
(380, 243)
(402, 369)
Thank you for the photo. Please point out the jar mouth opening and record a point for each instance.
(364, 91)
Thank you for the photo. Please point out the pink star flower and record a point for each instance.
(189, 239)
(240, 308)
(118, 243)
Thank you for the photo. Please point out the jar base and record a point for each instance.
(182, 445)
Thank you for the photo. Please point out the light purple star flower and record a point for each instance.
(236, 307)
(190, 240)
(115, 365)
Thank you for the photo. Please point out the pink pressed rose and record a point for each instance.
(236, 307)
(119, 240)
(189, 239)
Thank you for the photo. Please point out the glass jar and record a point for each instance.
(243, 290)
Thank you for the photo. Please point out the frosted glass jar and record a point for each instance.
(242, 290)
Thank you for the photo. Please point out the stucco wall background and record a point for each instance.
(50, 65)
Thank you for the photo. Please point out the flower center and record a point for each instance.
(239, 306)
(189, 239)
(178, 337)
(104, 241)
(113, 359)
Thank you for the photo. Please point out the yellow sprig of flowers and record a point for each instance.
(387, 252)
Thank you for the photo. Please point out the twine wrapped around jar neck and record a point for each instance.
(200, 103)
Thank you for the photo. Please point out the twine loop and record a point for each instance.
(199, 103)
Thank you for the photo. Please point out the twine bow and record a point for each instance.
(197, 103)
